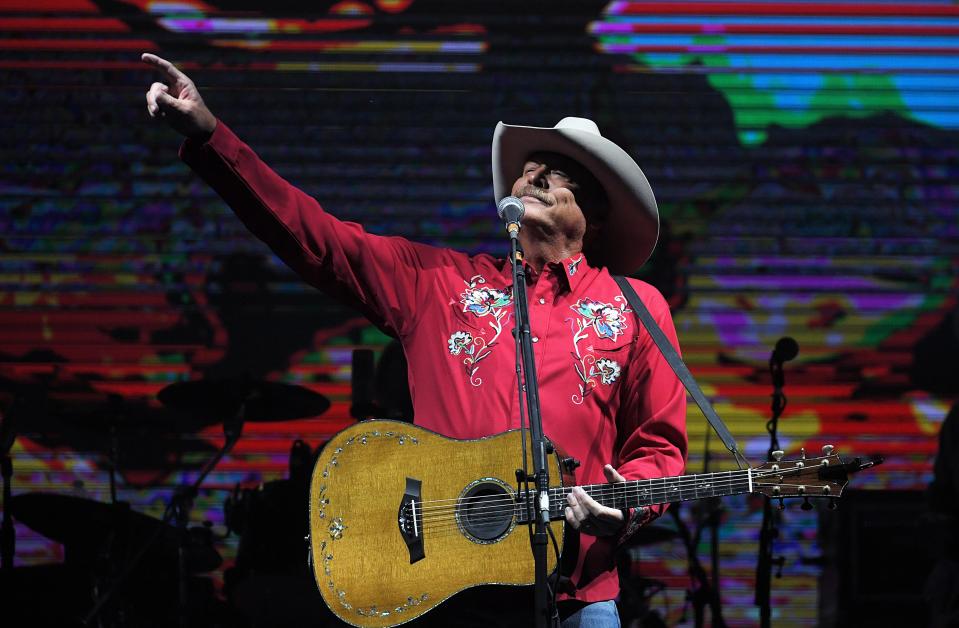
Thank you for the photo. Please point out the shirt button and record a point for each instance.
(535, 339)
(542, 301)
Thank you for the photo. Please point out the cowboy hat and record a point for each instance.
(632, 227)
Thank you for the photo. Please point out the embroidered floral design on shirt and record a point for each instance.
(608, 370)
(605, 321)
(481, 301)
(459, 341)
(573, 266)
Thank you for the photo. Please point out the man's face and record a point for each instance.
(551, 187)
(547, 186)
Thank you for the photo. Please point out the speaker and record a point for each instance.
(875, 562)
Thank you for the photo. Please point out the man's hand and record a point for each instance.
(178, 101)
(589, 516)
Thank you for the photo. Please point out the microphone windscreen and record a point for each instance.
(510, 209)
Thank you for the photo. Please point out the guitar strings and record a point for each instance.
(494, 507)
(442, 523)
(631, 488)
(439, 524)
(504, 503)
(721, 476)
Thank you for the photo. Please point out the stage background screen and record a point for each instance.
(803, 154)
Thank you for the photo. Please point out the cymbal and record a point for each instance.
(84, 526)
(77, 406)
(262, 401)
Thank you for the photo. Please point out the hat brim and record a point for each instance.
(632, 227)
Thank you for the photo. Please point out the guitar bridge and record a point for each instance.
(410, 520)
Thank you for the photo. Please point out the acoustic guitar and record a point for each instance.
(402, 518)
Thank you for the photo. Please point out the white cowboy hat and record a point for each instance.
(632, 227)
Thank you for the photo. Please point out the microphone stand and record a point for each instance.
(770, 525)
(708, 592)
(540, 448)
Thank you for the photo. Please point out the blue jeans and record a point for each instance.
(595, 615)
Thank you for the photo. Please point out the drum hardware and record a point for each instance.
(232, 402)
(8, 434)
(109, 540)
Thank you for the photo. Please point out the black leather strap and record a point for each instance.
(679, 367)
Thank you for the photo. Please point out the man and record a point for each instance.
(608, 398)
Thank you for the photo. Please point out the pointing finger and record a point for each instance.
(164, 66)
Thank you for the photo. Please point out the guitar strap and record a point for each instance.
(678, 366)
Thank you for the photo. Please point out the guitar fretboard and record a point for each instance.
(637, 493)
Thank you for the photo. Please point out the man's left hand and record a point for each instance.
(588, 516)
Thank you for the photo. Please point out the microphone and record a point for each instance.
(511, 210)
(785, 350)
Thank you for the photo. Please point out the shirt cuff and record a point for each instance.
(636, 518)
(221, 141)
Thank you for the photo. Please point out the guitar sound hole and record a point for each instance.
(485, 511)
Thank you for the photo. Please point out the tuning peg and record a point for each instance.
(782, 506)
(832, 504)
(778, 455)
(827, 449)
(802, 453)
(805, 504)
(570, 464)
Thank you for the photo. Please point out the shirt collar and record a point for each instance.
(573, 269)
(569, 272)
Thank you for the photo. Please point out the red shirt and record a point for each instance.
(606, 393)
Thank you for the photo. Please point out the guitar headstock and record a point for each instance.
(824, 476)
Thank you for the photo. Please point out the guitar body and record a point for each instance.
(401, 520)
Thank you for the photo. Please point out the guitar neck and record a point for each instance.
(638, 493)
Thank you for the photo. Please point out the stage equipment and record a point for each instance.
(786, 349)
(8, 434)
(878, 552)
(88, 529)
(705, 587)
(271, 584)
(232, 402)
(104, 550)
(261, 401)
(511, 210)
(636, 591)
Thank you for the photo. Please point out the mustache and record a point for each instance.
(537, 193)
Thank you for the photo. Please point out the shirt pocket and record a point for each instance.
(619, 346)
(610, 358)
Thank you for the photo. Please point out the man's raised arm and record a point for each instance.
(376, 275)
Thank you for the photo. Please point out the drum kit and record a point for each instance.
(122, 567)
